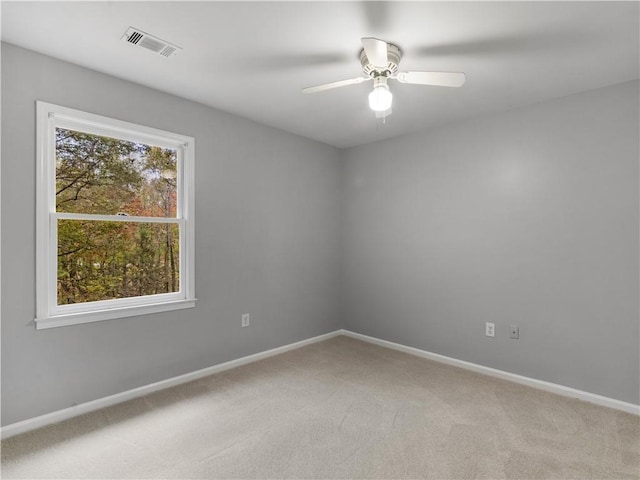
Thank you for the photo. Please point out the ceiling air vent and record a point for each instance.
(142, 39)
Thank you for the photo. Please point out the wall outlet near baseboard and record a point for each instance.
(490, 329)
(514, 331)
(245, 319)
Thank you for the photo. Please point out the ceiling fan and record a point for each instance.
(380, 62)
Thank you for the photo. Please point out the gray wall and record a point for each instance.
(267, 243)
(528, 217)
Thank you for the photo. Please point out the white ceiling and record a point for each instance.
(252, 59)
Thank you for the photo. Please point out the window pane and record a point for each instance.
(109, 260)
(108, 176)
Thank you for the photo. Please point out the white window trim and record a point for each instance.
(48, 313)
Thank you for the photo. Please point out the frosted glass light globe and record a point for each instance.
(380, 98)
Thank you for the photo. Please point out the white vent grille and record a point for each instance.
(144, 40)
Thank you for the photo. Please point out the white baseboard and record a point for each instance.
(67, 413)
(531, 382)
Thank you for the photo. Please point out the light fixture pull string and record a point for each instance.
(381, 120)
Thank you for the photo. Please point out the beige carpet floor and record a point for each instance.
(337, 409)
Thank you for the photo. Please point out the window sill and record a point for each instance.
(111, 313)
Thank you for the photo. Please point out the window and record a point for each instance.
(115, 233)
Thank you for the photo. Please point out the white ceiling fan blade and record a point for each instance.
(376, 51)
(440, 79)
(328, 86)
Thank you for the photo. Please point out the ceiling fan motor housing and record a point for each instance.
(393, 60)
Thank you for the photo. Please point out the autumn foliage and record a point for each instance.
(106, 259)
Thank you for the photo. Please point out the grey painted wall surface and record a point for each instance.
(267, 243)
(528, 217)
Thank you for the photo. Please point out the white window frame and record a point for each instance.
(48, 313)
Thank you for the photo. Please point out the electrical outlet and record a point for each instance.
(490, 329)
(245, 320)
(514, 331)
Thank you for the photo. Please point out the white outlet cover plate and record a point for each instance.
(490, 329)
(514, 331)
